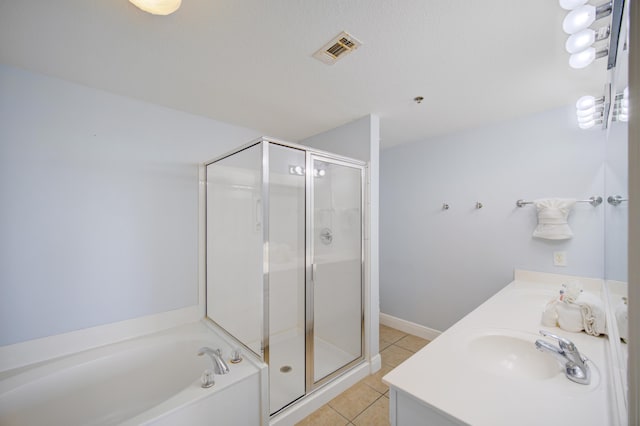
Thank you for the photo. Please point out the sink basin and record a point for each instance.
(513, 357)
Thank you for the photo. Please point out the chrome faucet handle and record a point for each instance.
(565, 344)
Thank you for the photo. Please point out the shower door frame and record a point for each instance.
(310, 153)
(311, 383)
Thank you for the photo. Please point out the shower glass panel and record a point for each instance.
(336, 236)
(284, 249)
(235, 246)
(286, 354)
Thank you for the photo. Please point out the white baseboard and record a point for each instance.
(376, 364)
(409, 327)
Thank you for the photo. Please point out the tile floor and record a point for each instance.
(367, 402)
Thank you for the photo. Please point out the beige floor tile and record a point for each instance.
(354, 400)
(394, 355)
(324, 416)
(375, 415)
(412, 343)
(384, 344)
(388, 334)
(375, 380)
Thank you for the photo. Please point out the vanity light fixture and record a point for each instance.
(581, 37)
(589, 111)
(584, 39)
(157, 7)
(586, 57)
(583, 16)
(621, 106)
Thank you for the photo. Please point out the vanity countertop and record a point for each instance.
(485, 370)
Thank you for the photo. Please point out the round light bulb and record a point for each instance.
(586, 118)
(581, 40)
(571, 4)
(321, 172)
(587, 125)
(582, 59)
(579, 19)
(298, 170)
(586, 102)
(586, 112)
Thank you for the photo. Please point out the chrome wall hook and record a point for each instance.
(445, 206)
(479, 205)
(615, 200)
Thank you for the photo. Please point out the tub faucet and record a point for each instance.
(575, 365)
(219, 366)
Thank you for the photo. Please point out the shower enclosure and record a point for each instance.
(285, 261)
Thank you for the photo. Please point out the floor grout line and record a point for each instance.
(367, 407)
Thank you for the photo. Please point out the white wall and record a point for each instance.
(437, 265)
(98, 205)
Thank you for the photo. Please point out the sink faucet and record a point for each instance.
(575, 367)
(219, 365)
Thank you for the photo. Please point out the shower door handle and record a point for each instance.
(314, 269)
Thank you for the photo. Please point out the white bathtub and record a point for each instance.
(149, 380)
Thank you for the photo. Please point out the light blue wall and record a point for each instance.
(435, 265)
(98, 205)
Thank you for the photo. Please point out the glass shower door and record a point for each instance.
(336, 265)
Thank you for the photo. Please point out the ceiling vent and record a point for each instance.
(343, 44)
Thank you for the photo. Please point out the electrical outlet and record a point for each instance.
(560, 258)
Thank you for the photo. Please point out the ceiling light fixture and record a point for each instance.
(157, 7)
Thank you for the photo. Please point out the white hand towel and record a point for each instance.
(585, 313)
(552, 218)
(593, 317)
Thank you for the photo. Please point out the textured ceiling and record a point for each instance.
(249, 62)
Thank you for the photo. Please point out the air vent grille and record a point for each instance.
(337, 48)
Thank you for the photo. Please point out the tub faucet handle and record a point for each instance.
(207, 379)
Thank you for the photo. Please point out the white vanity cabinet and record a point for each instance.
(407, 410)
(486, 371)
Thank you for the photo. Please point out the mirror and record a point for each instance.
(617, 214)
